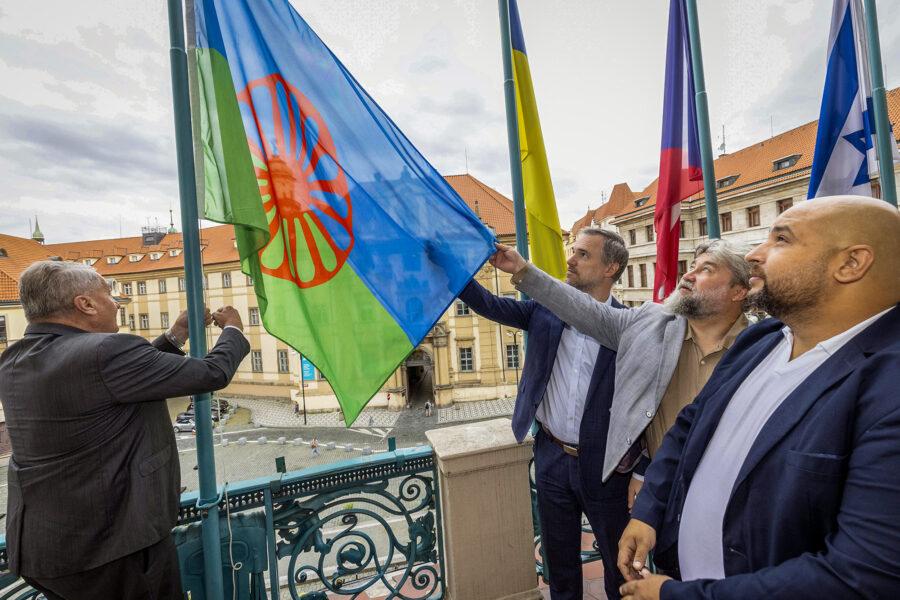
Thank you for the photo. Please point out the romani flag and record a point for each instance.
(544, 233)
(355, 244)
(680, 173)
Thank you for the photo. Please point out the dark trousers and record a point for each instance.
(148, 574)
(561, 502)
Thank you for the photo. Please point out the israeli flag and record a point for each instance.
(845, 155)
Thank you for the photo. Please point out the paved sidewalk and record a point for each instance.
(272, 413)
(475, 411)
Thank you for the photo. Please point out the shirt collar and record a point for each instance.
(834, 343)
(739, 325)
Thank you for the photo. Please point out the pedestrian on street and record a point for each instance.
(314, 446)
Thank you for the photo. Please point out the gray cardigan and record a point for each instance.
(647, 340)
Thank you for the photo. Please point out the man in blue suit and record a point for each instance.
(567, 388)
(782, 479)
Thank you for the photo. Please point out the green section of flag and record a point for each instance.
(339, 325)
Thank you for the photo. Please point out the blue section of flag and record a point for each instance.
(679, 74)
(838, 100)
(307, 369)
(416, 242)
(516, 38)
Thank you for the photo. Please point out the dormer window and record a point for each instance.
(786, 162)
(726, 181)
(113, 260)
(135, 257)
(174, 251)
(3, 253)
(89, 261)
(155, 255)
(641, 201)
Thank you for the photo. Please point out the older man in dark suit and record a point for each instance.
(94, 478)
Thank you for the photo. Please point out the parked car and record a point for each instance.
(183, 423)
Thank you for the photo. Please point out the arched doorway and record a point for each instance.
(419, 378)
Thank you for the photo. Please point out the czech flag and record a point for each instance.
(680, 173)
(355, 243)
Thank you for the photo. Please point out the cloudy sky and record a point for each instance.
(86, 135)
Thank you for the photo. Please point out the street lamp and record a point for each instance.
(514, 334)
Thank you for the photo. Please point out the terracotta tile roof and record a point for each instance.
(217, 242)
(495, 209)
(20, 252)
(753, 165)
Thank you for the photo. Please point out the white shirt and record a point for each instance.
(562, 407)
(700, 553)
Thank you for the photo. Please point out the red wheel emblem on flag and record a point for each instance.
(303, 188)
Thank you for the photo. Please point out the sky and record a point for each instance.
(86, 127)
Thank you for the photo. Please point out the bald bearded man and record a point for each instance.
(782, 478)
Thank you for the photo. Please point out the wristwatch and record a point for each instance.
(173, 340)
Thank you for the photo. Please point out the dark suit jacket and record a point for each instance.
(544, 332)
(815, 509)
(94, 472)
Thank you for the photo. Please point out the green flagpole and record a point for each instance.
(208, 502)
(879, 103)
(709, 175)
(512, 132)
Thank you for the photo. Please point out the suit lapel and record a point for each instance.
(798, 403)
(721, 395)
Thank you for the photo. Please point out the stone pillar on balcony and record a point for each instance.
(486, 510)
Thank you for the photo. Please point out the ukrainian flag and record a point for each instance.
(544, 233)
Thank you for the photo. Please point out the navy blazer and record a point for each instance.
(544, 332)
(815, 510)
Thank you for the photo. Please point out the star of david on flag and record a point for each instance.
(845, 156)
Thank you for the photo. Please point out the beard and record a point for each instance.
(697, 305)
(791, 295)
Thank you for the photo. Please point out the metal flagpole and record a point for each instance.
(879, 102)
(709, 176)
(512, 133)
(208, 502)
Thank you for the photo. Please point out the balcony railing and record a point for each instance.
(366, 526)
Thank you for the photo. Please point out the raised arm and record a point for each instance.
(596, 319)
(505, 311)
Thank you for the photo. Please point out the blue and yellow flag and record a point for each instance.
(544, 233)
(356, 245)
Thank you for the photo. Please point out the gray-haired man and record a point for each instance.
(94, 478)
(666, 353)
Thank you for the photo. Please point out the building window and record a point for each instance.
(466, 363)
(642, 269)
(630, 270)
(254, 315)
(632, 236)
(174, 252)
(226, 280)
(284, 365)
(122, 319)
(131, 322)
(726, 181)
(753, 216)
(249, 281)
(135, 257)
(2, 328)
(145, 321)
(164, 320)
(641, 201)
(111, 260)
(462, 309)
(682, 268)
(725, 221)
(142, 288)
(162, 286)
(649, 230)
(682, 229)
(785, 204)
(702, 225)
(876, 189)
(786, 162)
(512, 356)
(256, 361)
(181, 284)
(126, 289)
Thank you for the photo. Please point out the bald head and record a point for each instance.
(829, 252)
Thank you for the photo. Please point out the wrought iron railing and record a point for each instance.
(369, 525)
